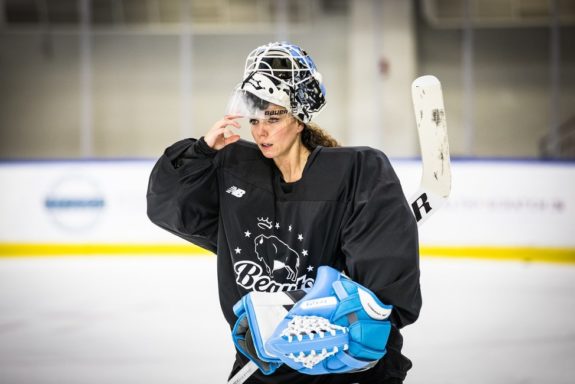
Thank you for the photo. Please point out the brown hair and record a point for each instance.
(313, 136)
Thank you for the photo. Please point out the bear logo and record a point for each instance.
(277, 255)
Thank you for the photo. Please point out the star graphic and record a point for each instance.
(277, 225)
(310, 268)
(300, 237)
(247, 233)
(238, 250)
(304, 252)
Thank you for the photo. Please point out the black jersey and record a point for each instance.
(347, 211)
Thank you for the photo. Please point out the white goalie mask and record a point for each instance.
(282, 74)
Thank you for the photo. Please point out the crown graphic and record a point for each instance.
(264, 223)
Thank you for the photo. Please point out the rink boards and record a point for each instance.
(507, 209)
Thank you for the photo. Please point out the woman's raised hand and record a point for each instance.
(221, 133)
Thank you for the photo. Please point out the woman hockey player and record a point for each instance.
(277, 209)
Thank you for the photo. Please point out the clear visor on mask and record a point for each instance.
(245, 104)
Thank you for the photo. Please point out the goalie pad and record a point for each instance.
(339, 326)
(259, 313)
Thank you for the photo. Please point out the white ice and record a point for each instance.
(156, 319)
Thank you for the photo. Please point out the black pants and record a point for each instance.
(376, 375)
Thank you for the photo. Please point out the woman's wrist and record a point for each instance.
(204, 148)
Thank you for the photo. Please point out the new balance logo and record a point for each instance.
(235, 191)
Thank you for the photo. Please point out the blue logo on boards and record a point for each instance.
(75, 203)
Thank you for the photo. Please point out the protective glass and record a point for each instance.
(245, 104)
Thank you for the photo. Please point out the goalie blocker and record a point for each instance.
(338, 326)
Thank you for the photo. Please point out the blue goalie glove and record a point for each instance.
(338, 326)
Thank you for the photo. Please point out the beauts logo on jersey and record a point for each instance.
(269, 263)
(252, 277)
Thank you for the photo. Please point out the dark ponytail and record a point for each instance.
(313, 136)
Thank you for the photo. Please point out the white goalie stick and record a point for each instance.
(432, 129)
(435, 183)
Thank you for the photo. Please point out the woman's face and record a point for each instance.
(276, 133)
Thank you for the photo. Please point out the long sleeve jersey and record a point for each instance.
(347, 211)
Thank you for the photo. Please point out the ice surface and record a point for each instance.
(156, 319)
